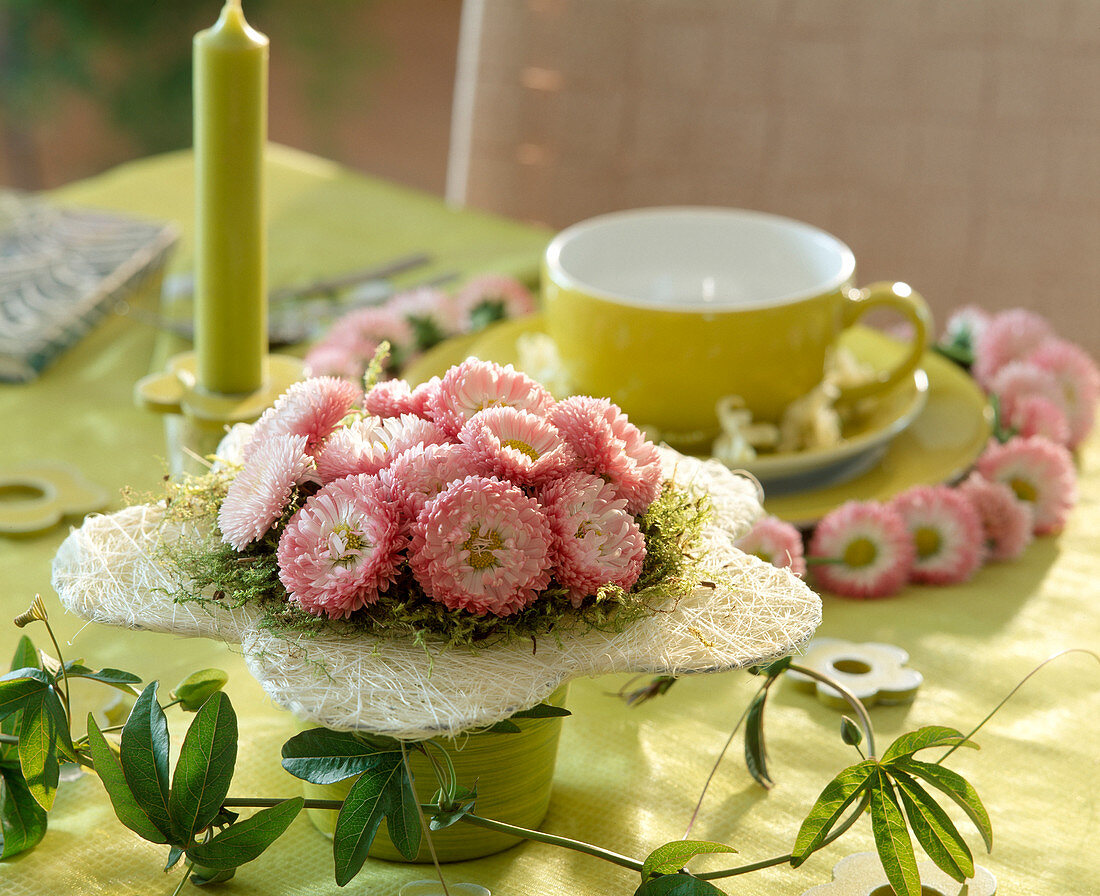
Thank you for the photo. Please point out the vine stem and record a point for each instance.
(424, 822)
(1012, 693)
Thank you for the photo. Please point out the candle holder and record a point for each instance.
(196, 420)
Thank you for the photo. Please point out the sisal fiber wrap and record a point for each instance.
(746, 612)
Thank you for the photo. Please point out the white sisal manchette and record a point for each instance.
(108, 571)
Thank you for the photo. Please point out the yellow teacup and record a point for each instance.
(667, 310)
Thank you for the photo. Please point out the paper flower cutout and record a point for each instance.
(875, 673)
(35, 497)
(861, 874)
(108, 571)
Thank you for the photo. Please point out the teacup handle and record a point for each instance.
(911, 305)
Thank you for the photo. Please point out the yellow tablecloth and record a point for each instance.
(627, 778)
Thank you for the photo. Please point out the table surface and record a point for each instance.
(627, 778)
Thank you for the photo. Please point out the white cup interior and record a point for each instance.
(697, 258)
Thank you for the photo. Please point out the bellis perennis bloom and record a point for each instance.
(462, 492)
(776, 542)
(1039, 472)
(864, 550)
(947, 534)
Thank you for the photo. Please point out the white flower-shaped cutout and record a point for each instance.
(108, 571)
(861, 874)
(875, 673)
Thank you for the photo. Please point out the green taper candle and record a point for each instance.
(230, 109)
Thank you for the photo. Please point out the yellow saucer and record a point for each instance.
(930, 432)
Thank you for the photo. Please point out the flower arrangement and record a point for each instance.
(1045, 391)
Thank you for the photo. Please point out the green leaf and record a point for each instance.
(43, 737)
(505, 726)
(244, 841)
(19, 686)
(956, 787)
(205, 767)
(773, 669)
(934, 830)
(175, 853)
(116, 678)
(671, 857)
(895, 849)
(677, 885)
(145, 757)
(462, 803)
(129, 811)
(22, 819)
(922, 739)
(542, 711)
(321, 756)
(26, 655)
(834, 799)
(198, 687)
(200, 877)
(756, 756)
(382, 791)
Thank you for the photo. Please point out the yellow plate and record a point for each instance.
(931, 432)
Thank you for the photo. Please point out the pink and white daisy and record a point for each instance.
(866, 550)
(1079, 380)
(475, 385)
(608, 445)
(483, 546)
(312, 408)
(1007, 522)
(1020, 380)
(392, 398)
(1008, 336)
(947, 534)
(335, 359)
(595, 541)
(262, 491)
(515, 445)
(367, 328)
(421, 473)
(371, 443)
(342, 549)
(490, 298)
(1034, 415)
(429, 313)
(1038, 471)
(776, 542)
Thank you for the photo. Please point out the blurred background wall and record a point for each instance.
(86, 84)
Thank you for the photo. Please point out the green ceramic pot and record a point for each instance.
(513, 772)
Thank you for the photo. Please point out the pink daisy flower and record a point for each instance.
(312, 408)
(367, 328)
(429, 313)
(490, 298)
(776, 542)
(1034, 415)
(1020, 380)
(259, 494)
(1008, 336)
(392, 398)
(371, 443)
(342, 549)
(1007, 522)
(1079, 380)
(483, 546)
(947, 534)
(595, 541)
(868, 550)
(608, 445)
(334, 359)
(475, 385)
(515, 445)
(421, 473)
(1038, 471)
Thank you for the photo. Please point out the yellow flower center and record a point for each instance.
(522, 447)
(928, 542)
(481, 546)
(1024, 490)
(860, 552)
(346, 543)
